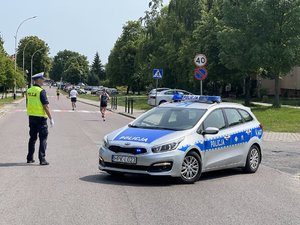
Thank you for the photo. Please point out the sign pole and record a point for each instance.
(156, 92)
(200, 87)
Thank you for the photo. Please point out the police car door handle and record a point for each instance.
(227, 137)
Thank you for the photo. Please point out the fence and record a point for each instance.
(129, 105)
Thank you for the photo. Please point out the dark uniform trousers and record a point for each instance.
(38, 126)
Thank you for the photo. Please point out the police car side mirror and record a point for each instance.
(210, 130)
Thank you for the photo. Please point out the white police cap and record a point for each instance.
(38, 76)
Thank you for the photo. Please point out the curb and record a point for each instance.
(127, 115)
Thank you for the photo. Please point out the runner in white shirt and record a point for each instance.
(73, 96)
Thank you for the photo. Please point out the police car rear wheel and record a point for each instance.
(191, 168)
(253, 160)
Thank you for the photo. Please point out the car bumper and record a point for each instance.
(154, 164)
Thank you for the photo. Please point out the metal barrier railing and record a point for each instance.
(114, 103)
(129, 105)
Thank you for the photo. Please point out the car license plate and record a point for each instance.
(124, 159)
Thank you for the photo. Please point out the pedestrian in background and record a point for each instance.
(104, 97)
(38, 112)
(73, 96)
(57, 93)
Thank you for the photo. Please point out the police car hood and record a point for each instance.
(144, 136)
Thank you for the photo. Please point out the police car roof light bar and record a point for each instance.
(202, 98)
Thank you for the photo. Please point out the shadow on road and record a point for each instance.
(16, 164)
(141, 180)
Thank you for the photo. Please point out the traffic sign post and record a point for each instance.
(200, 60)
(157, 74)
(200, 74)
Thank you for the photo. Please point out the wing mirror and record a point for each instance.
(210, 130)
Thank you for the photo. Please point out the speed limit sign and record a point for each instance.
(200, 60)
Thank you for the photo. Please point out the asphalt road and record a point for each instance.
(71, 190)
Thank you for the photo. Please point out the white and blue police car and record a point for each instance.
(185, 139)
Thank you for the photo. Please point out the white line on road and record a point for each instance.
(65, 111)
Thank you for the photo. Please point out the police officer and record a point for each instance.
(38, 112)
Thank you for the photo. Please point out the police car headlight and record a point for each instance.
(105, 143)
(166, 147)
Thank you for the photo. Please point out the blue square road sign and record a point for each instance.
(158, 73)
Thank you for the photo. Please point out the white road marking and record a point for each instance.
(66, 111)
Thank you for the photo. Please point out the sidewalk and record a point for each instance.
(269, 105)
(7, 107)
(120, 110)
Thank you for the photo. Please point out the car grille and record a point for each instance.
(153, 169)
(133, 151)
(126, 167)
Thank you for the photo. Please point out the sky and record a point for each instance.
(84, 26)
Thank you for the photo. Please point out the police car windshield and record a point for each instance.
(169, 118)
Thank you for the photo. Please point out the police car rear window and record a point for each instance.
(246, 116)
(233, 117)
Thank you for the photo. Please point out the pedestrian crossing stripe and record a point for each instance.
(67, 111)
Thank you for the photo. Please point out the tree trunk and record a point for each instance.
(247, 90)
(277, 90)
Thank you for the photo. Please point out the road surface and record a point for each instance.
(71, 190)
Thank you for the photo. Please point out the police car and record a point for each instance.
(185, 139)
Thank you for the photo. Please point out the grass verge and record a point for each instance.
(278, 119)
(7, 100)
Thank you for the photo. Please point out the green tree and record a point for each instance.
(8, 75)
(76, 70)
(93, 79)
(65, 63)
(279, 31)
(41, 60)
(122, 61)
(97, 68)
(239, 41)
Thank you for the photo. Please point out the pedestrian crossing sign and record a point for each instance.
(158, 73)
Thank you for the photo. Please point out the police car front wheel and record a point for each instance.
(191, 168)
(253, 160)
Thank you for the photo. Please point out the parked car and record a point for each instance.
(153, 91)
(184, 140)
(94, 90)
(112, 91)
(81, 91)
(164, 96)
(88, 88)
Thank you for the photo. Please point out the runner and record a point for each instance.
(104, 97)
(57, 93)
(73, 96)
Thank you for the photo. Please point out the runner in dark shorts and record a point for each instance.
(73, 97)
(57, 93)
(104, 97)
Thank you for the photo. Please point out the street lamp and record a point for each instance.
(16, 42)
(32, 61)
(24, 55)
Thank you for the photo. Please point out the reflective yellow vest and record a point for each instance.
(34, 104)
